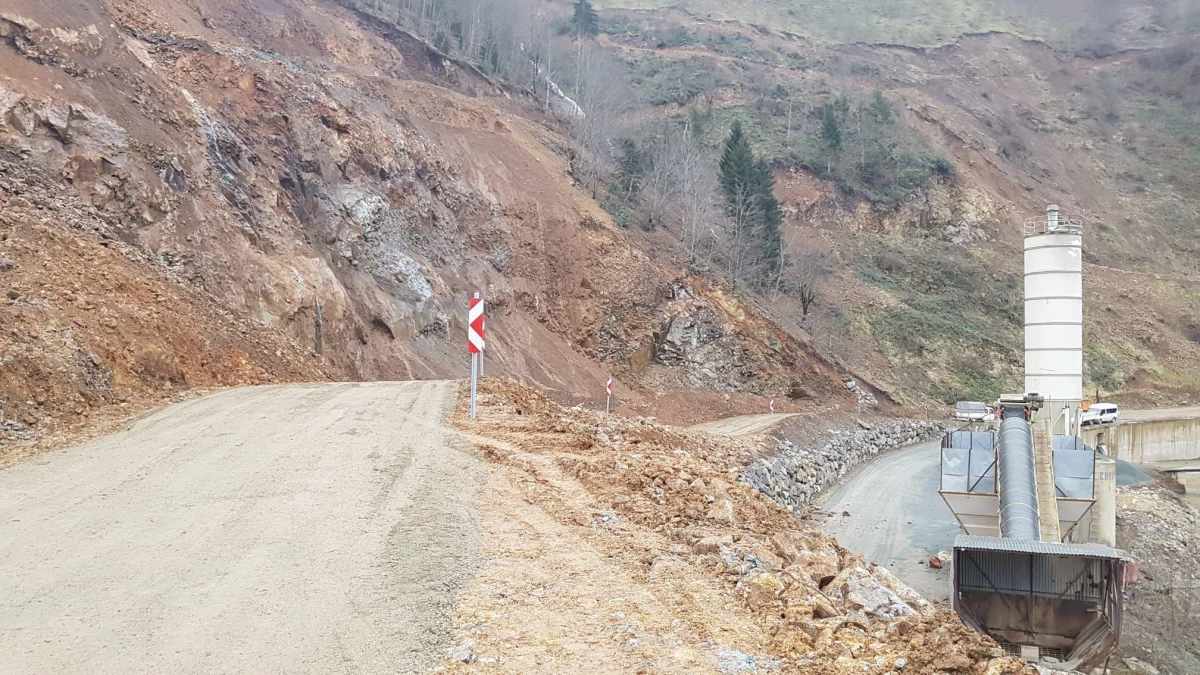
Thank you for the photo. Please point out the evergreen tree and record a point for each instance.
(767, 238)
(831, 129)
(631, 170)
(585, 21)
(750, 202)
(737, 169)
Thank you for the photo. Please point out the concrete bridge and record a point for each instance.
(1166, 439)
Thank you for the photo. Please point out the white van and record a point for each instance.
(974, 411)
(1100, 413)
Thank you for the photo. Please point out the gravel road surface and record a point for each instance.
(279, 529)
(897, 518)
(744, 425)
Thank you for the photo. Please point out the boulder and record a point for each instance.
(860, 592)
(711, 544)
(722, 511)
(874, 599)
(761, 589)
(910, 597)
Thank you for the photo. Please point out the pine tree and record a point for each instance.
(585, 21)
(737, 168)
(750, 202)
(831, 129)
(767, 237)
(631, 170)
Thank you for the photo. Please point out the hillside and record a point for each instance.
(918, 239)
(729, 208)
(207, 194)
(1068, 24)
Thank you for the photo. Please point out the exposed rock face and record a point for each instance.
(795, 476)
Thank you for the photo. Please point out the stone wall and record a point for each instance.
(794, 477)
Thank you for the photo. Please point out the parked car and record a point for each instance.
(974, 411)
(1100, 413)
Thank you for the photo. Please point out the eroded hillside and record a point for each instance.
(304, 192)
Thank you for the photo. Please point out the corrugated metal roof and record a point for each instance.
(1039, 547)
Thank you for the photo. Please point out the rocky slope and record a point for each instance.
(615, 544)
(326, 191)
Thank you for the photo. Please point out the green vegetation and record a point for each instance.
(956, 321)
(748, 187)
(864, 149)
(666, 81)
(857, 142)
(585, 21)
(1103, 369)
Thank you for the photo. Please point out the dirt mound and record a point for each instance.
(88, 322)
(639, 542)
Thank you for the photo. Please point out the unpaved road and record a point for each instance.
(1160, 414)
(282, 529)
(897, 518)
(743, 425)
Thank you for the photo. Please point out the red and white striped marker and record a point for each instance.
(475, 325)
(475, 343)
(772, 405)
(608, 396)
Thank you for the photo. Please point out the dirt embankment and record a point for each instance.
(89, 323)
(619, 545)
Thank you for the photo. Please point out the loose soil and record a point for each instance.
(619, 545)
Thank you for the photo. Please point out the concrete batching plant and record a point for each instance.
(1027, 496)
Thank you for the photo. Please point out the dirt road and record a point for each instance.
(1160, 414)
(743, 425)
(285, 529)
(897, 518)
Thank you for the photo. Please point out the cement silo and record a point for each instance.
(1054, 315)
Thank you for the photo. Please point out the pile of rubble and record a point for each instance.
(1161, 625)
(795, 477)
(661, 506)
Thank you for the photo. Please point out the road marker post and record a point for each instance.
(475, 343)
(474, 371)
(772, 406)
(608, 397)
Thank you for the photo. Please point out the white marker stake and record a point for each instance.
(772, 406)
(474, 368)
(608, 397)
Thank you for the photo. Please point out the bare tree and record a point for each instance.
(681, 187)
(805, 276)
(695, 178)
(600, 87)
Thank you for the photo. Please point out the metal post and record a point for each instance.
(608, 404)
(474, 372)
